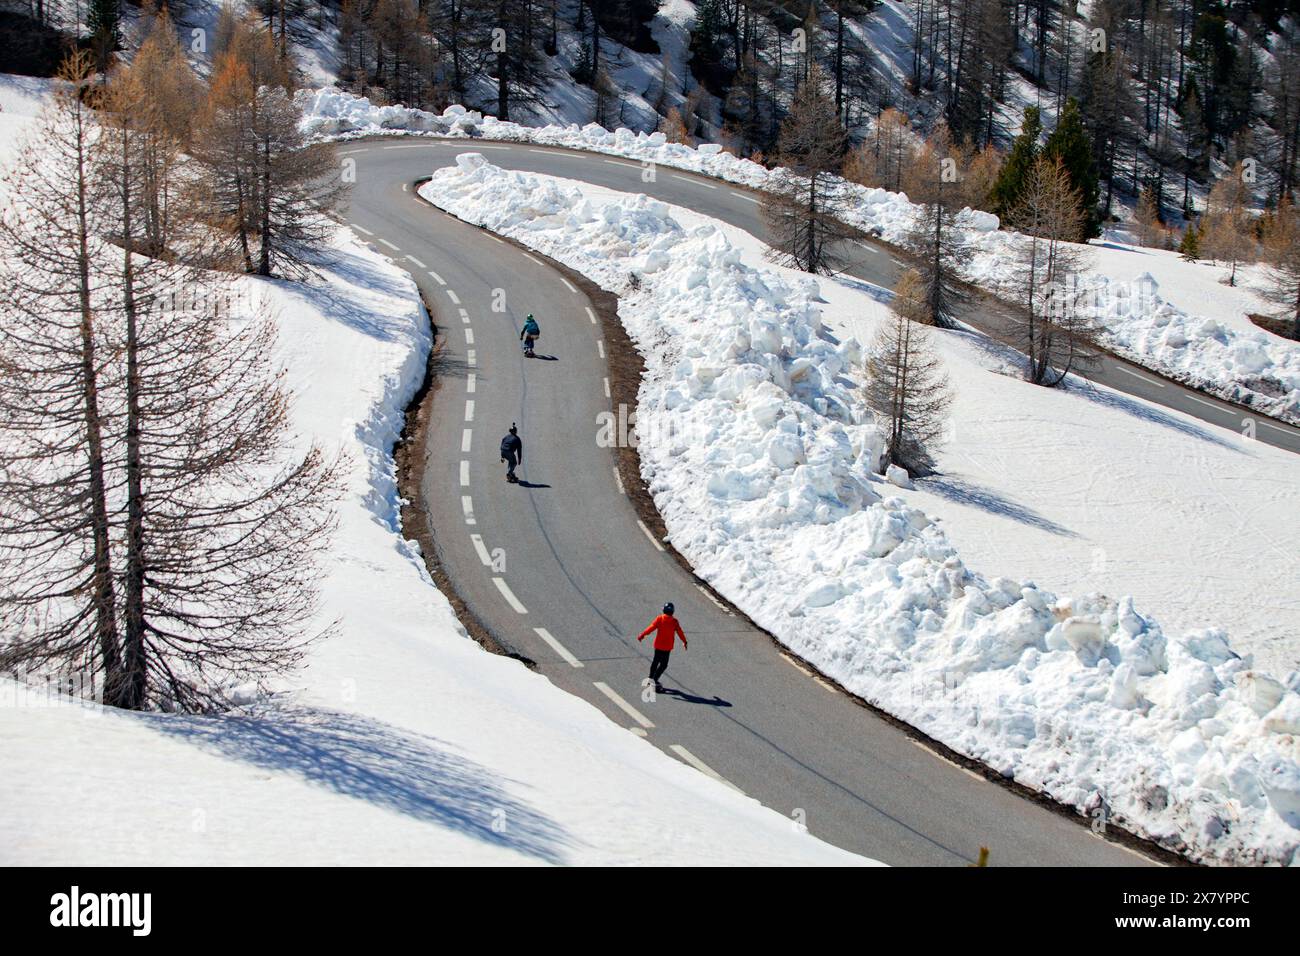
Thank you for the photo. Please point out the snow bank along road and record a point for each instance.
(561, 568)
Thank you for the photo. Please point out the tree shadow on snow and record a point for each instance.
(1149, 413)
(368, 760)
(877, 292)
(348, 300)
(965, 493)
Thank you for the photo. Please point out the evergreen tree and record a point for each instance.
(1024, 152)
(1190, 246)
(1070, 144)
(104, 21)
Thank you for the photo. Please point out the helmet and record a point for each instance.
(668, 608)
(513, 429)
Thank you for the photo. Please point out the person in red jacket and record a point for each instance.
(665, 627)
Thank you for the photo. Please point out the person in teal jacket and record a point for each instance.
(529, 335)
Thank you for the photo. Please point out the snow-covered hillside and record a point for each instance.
(401, 741)
(758, 449)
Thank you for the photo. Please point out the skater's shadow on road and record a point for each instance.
(528, 484)
(547, 358)
(413, 774)
(685, 698)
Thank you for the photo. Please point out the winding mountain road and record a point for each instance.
(562, 570)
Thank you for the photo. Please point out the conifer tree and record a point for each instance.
(1070, 144)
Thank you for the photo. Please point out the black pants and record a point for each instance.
(510, 465)
(659, 665)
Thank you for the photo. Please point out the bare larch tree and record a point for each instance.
(1052, 324)
(906, 387)
(805, 204)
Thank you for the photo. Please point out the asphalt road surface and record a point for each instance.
(562, 570)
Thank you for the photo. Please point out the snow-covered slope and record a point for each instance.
(401, 741)
(759, 451)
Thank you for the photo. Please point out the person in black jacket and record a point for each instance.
(512, 452)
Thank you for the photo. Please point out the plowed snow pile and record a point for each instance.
(762, 461)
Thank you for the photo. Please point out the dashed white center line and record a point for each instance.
(652, 538)
(481, 548)
(469, 409)
(417, 262)
(1274, 425)
(390, 245)
(465, 437)
(701, 766)
(509, 595)
(546, 152)
(464, 473)
(688, 179)
(743, 195)
(420, 146)
(362, 229)
(623, 705)
(591, 315)
(1145, 378)
(467, 505)
(350, 152)
(464, 316)
(619, 162)
(482, 146)
(607, 388)
(618, 479)
(437, 278)
(556, 646)
(600, 347)
(469, 336)
(471, 357)
(471, 382)
(1218, 408)
(403, 187)
(572, 287)
(455, 299)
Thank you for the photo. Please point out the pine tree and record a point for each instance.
(104, 21)
(1070, 144)
(1024, 152)
(1190, 246)
(906, 388)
